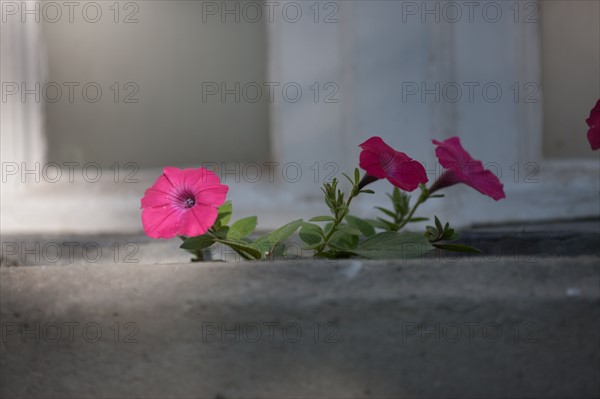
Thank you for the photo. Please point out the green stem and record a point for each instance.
(337, 221)
(422, 198)
(198, 253)
(199, 256)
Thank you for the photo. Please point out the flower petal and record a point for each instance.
(381, 161)
(376, 145)
(370, 163)
(593, 122)
(200, 177)
(197, 220)
(467, 170)
(161, 222)
(159, 194)
(407, 175)
(487, 183)
(451, 154)
(214, 195)
(175, 176)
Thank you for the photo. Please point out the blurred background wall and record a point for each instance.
(151, 74)
(570, 72)
(243, 83)
(165, 58)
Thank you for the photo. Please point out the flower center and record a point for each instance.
(189, 202)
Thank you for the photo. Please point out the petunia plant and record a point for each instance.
(191, 204)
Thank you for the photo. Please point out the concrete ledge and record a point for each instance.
(526, 243)
(308, 329)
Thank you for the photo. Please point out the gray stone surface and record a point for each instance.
(528, 328)
(522, 242)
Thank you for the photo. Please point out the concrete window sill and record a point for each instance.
(436, 328)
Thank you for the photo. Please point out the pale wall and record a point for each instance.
(570, 39)
(169, 53)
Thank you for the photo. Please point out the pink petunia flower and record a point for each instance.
(182, 202)
(381, 161)
(593, 122)
(462, 168)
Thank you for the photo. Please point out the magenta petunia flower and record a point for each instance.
(381, 161)
(593, 122)
(462, 168)
(182, 202)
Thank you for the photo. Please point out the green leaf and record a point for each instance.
(454, 237)
(437, 196)
(247, 251)
(329, 204)
(278, 249)
(311, 233)
(388, 225)
(310, 246)
(458, 248)
(377, 223)
(388, 245)
(438, 225)
(269, 241)
(222, 232)
(356, 176)
(224, 215)
(365, 228)
(349, 179)
(387, 212)
(448, 233)
(415, 220)
(400, 201)
(343, 240)
(285, 231)
(197, 243)
(242, 228)
(343, 211)
(366, 191)
(322, 219)
(349, 229)
(432, 230)
(404, 204)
